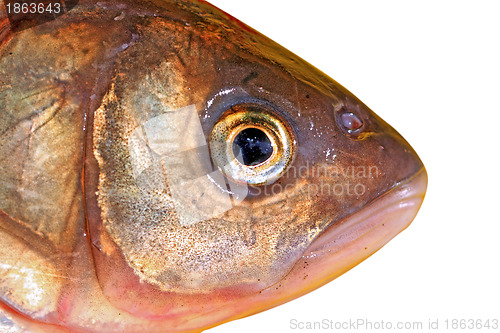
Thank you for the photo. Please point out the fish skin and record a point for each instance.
(69, 205)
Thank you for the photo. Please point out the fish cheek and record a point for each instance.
(146, 260)
(143, 252)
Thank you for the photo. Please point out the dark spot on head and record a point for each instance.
(307, 96)
(250, 77)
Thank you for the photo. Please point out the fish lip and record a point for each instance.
(354, 238)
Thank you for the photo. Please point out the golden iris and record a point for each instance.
(251, 145)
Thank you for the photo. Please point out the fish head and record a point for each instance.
(222, 174)
(229, 176)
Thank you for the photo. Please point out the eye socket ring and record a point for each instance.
(276, 134)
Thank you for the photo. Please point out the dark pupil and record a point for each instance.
(252, 146)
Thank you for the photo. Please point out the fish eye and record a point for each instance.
(251, 145)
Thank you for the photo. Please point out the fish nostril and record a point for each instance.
(350, 121)
(252, 147)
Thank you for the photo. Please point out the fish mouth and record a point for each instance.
(345, 244)
(356, 237)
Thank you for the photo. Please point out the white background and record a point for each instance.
(432, 70)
